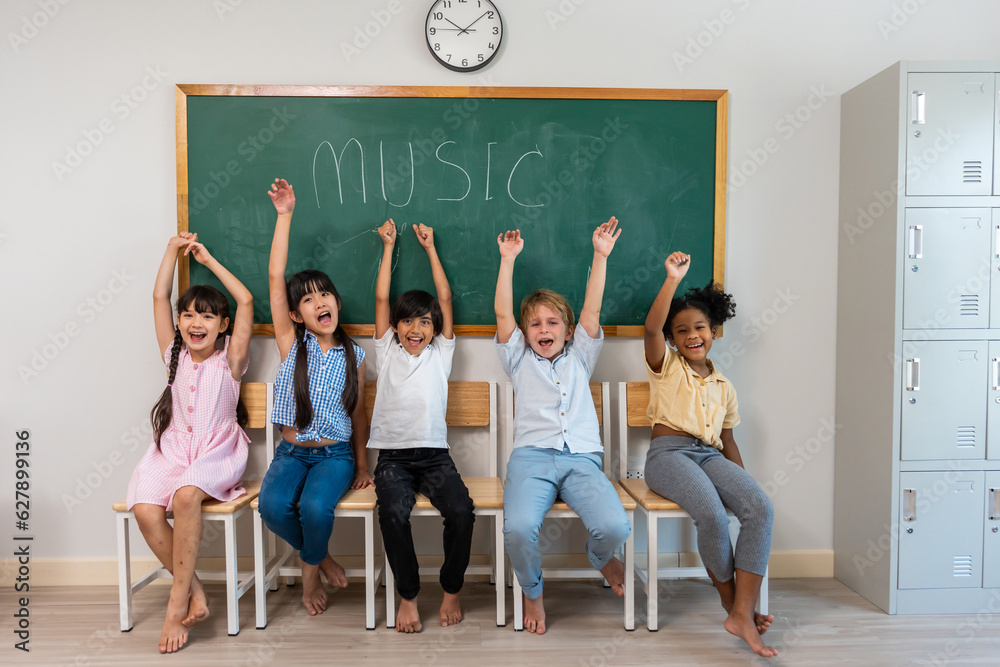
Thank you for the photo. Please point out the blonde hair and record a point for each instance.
(544, 297)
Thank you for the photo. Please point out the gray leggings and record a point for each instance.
(704, 483)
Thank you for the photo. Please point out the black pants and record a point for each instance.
(399, 475)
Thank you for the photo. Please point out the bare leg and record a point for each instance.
(334, 572)
(187, 540)
(742, 592)
(614, 572)
(534, 615)
(159, 535)
(313, 594)
(451, 610)
(727, 593)
(408, 617)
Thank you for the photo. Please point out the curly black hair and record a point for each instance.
(717, 305)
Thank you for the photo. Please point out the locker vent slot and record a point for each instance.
(972, 171)
(963, 566)
(966, 437)
(968, 304)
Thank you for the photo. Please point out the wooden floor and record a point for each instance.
(817, 622)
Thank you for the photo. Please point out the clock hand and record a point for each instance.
(460, 28)
(474, 22)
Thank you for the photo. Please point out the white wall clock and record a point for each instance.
(464, 35)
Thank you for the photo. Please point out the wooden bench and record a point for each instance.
(559, 510)
(257, 399)
(633, 399)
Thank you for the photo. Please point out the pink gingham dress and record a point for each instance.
(203, 446)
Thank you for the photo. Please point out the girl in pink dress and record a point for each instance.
(199, 449)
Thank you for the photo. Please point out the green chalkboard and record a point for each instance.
(471, 163)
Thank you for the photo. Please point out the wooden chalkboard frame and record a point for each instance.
(720, 97)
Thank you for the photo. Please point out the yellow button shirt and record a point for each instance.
(685, 401)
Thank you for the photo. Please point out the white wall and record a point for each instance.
(98, 232)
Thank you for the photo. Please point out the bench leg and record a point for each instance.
(390, 593)
(652, 572)
(232, 599)
(518, 603)
(763, 594)
(499, 563)
(630, 576)
(124, 573)
(260, 570)
(370, 582)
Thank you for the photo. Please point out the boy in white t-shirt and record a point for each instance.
(414, 345)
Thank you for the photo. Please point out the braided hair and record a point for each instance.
(204, 299)
(717, 305)
(300, 284)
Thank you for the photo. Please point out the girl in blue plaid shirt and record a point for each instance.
(319, 403)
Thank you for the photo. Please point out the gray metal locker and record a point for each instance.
(946, 283)
(995, 269)
(944, 392)
(996, 139)
(993, 403)
(991, 540)
(949, 139)
(940, 543)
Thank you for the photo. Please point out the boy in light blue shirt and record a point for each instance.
(557, 445)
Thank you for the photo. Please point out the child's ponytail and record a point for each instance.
(350, 395)
(300, 381)
(163, 410)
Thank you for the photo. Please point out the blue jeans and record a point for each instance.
(300, 491)
(536, 476)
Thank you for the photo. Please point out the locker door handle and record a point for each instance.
(917, 107)
(996, 249)
(913, 374)
(916, 241)
(909, 504)
(996, 373)
(994, 505)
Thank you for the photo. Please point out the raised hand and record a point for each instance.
(677, 265)
(605, 237)
(197, 250)
(282, 195)
(425, 235)
(510, 243)
(387, 232)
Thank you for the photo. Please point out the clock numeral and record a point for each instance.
(448, 56)
(489, 16)
(496, 30)
(438, 15)
(437, 47)
(480, 57)
(446, 3)
(465, 62)
(491, 47)
(433, 31)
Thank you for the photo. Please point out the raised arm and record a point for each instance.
(604, 242)
(387, 232)
(677, 265)
(283, 197)
(425, 235)
(510, 244)
(242, 324)
(163, 312)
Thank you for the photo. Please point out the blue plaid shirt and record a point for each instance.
(327, 374)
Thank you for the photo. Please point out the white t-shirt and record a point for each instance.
(412, 396)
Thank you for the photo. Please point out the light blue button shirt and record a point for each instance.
(553, 405)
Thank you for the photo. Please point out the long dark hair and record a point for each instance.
(204, 299)
(300, 284)
(717, 305)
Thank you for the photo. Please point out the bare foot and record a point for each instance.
(334, 572)
(762, 622)
(534, 615)
(451, 610)
(614, 572)
(408, 617)
(745, 628)
(313, 594)
(174, 634)
(198, 605)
